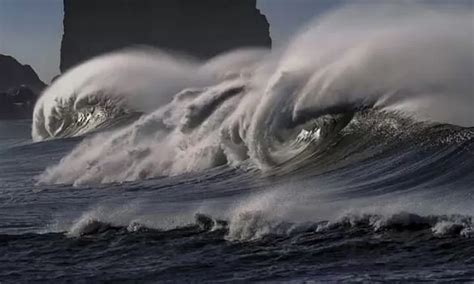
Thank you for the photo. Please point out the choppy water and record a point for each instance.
(401, 215)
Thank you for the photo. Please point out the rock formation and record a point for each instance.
(201, 28)
(19, 89)
(15, 74)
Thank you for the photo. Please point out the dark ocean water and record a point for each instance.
(371, 208)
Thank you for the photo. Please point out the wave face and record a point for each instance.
(393, 73)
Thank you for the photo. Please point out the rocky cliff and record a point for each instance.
(15, 74)
(19, 89)
(201, 28)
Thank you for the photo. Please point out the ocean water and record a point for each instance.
(348, 156)
(401, 213)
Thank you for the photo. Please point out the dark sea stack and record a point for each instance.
(201, 28)
(19, 89)
(14, 74)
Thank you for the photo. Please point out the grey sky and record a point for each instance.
(31, 31)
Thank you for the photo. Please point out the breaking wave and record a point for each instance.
(344, 86)
(251, 226)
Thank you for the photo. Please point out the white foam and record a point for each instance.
(406, 58)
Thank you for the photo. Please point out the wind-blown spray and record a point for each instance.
(249, 107)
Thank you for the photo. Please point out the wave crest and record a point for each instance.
(250, 110)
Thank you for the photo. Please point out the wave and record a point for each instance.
(133, 81)
(254, 226)
(353, 77)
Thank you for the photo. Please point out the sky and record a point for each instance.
(31, 30)
(287, 16)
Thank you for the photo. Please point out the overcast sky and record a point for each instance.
(31, 30)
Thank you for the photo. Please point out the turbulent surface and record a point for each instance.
(373, 207)
(353, 164)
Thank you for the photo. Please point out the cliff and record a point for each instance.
(19, 89)
(15, 74)
(201, 28)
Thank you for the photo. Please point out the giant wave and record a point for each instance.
(351, 78)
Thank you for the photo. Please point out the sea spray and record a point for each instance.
(243, 111)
